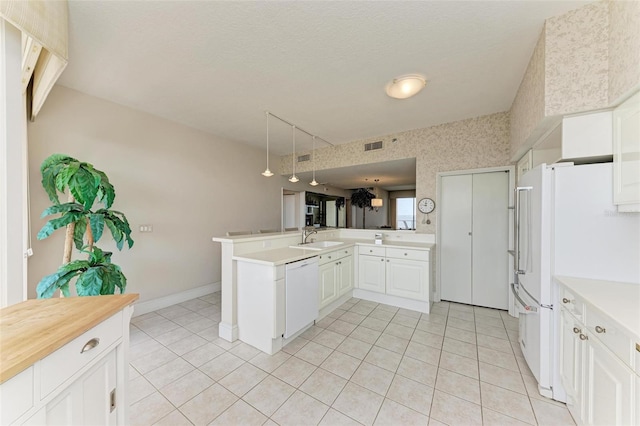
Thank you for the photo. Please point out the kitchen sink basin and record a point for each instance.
(318, 245)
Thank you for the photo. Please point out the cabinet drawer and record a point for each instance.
(343, 252)
(611, 336)
(372, 251)
(69, 359)
(328, 257)
(574, 306)
(400, 253)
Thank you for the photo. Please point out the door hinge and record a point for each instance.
(112, 400)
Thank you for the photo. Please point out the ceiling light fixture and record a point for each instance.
(376, 202)
(293, 177)
(406, 86)
(267, 172)
(313, 145)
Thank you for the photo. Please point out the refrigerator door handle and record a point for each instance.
(517, 230)
(528, 308)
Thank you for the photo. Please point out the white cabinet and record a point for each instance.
(335, 275)
(596, 366)
(371, 273)
(474, 239)
(407, 277)
(570, 353)
(581, 138)
(626, 155)
(399, 274)
(90, 400)
(81, 383)
(608, 387)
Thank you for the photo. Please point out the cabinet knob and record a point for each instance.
(565, 300)
(583, 337)
(405, 254)
(370, 251)
(576, 330)
(381, 260)
(600, 329)
(387, 260)
(329, 257)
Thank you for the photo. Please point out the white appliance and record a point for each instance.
(301, 295)
(566, 224)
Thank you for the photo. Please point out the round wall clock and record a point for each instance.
(426, 205)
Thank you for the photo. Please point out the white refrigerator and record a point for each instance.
(566, 224)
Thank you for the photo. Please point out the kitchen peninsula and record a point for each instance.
(397, 271)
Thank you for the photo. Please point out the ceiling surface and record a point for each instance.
(218, 66)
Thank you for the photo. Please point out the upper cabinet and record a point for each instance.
(583, 138)
(626, 155)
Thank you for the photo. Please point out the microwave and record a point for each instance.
(310, 209)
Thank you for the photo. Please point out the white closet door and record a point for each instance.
(455, 242)
(490, 242)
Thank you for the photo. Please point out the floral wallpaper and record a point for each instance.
(586, 59)
(468, 144)
(527, 110)
(577, 60)
(624, 49)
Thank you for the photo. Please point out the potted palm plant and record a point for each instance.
(361, 198)
(85, 224)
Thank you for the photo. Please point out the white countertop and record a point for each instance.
(280, 256)
(619, 301)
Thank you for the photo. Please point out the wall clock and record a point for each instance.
(426, 205)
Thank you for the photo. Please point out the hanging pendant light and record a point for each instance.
(293, 177)
(376, 202)
(267, 172)
(313, 144)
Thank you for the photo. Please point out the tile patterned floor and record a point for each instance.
(366, 363)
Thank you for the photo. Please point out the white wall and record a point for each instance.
(186, 183)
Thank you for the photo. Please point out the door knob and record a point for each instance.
(469, 233)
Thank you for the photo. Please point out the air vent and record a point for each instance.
(372, 146)
(305, 157)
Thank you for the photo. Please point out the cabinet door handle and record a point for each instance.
(565, 300)
(600, 329)
(576, 330)
(90, 345)
(583, 337)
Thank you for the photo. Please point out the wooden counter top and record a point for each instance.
(31, 330)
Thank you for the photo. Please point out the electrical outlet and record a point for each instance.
(146, 228)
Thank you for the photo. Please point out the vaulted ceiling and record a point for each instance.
(218, 66)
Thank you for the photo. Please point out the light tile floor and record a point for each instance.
(365, 363)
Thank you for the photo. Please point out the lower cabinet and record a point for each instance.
(601, 389)
(395, 271)
(90, 400)
(407, 278)
(371, 273)
(335, 275)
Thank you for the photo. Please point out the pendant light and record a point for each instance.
(267, 172)
(376, 202)
(293, 177)
(313, 145)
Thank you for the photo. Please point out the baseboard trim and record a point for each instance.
(163, 302)
(228, 332)
(400, 302)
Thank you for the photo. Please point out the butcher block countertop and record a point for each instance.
(31, 330)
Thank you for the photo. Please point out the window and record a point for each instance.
(406, 213)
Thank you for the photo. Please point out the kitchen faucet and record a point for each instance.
(305, 234)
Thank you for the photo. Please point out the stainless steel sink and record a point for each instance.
(318, 245)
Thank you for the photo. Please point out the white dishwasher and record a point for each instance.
(301, 295)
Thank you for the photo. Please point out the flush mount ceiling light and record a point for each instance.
(293, 177)
(405, 86)
(267, 172)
